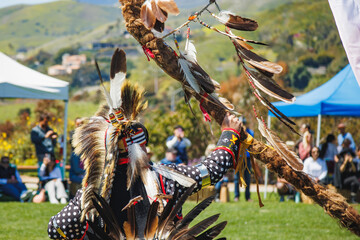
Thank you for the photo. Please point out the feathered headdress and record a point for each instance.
(113, 135)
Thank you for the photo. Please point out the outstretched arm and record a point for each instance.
(212, 169)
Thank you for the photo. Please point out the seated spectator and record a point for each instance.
(10, 181)
(348, 172)
(284, 188)
(171, 157)
(50, 175)
(315, 167)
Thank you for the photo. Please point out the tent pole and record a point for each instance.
(65, 136)
(267, 170)
(318, 130)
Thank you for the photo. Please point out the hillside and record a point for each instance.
(32, 26)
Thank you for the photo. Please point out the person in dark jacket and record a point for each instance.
(10, 181)
(44, 138)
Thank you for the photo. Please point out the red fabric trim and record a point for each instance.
(87, 227)
(179, 217)
(231, 129)
(123, 161)
(229, 151)
(162, 183)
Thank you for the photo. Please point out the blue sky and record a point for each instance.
(6, 3)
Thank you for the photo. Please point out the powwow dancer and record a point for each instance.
(112, 146)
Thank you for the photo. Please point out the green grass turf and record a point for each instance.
(245, 220)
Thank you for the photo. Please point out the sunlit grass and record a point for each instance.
(245, 220)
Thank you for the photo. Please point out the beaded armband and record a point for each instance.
(230, 142)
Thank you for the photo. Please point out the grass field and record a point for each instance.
(245, 220)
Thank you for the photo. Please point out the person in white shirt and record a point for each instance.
(315, 167)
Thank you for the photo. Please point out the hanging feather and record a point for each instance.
(236, 22)
(147, 16)
(172, 174)
(130, 225)
(202, 78)
(268, 85)
(160, 15)
(132, 202)
(168, 6)
(257, 61)
(151, 221)
(289, 156)
(117, 76)
(107, 96)
(185, 67)
(155, 12)
(138, 164)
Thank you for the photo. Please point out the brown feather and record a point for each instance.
(212, 232)
(118, 63)
(289, 156)
(151, 221)
(158, 12)
(168, 6)
(130, 225)
(88, 143)
(240, 23)
(147, 16)
(257, 61)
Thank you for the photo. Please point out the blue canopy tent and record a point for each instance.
(340, 96)
(337, 97)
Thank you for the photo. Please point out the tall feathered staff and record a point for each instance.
(164, 56)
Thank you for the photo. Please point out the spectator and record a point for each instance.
(328, 149)
(50, 175)
(247, 172)
(171, 157)
(315, 167)
(348, 172)
(329, 153)
(306, 143)
(180, 143)
(77, 171)
(44, 138)
(10, 181)
(284, 188)
(342, 136)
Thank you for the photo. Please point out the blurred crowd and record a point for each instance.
(335, 163)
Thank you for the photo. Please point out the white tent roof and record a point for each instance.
(18, 81)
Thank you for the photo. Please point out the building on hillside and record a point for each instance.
(57, 70)
(69, 64)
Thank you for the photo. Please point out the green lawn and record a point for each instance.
(245, 220)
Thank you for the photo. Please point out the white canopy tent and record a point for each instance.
(19, 81)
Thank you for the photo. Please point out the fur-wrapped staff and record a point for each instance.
(333, 204)
(123, 194)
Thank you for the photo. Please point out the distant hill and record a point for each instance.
(32, 26)
(99, 2)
